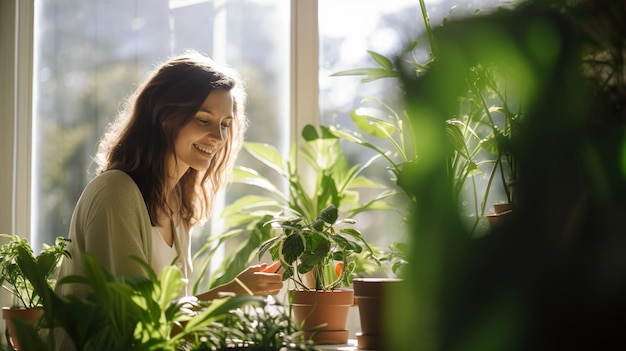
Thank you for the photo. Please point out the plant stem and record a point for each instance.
(429, 32)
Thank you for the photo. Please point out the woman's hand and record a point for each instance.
(260, 279)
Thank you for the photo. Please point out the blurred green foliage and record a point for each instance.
(552, 276)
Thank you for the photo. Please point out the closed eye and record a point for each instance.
(227, 122)
(203, 122)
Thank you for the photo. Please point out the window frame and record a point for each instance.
(16, 77)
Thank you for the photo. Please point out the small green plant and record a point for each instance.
(257, 328)
(316, 247)
(12, 277)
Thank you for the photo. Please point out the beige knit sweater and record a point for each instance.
(111, 222)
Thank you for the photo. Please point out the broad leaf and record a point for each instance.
(267, 154)
(293, 247)
(371, 125)
(383, 61)
(329, 214)
(249, 176)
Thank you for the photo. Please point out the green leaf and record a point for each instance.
(341, 241)
(249, 203)
(308, 260)
(472, 168)
(347, 134)
(249, 176)
(318, 245)
(309, 133)
(371, 125)
(369, 73)
(455, 136)
(217, 309)
(327, 191)
(267, 245)
(364, 182)
(318, 225)
(329, 214)
(267, 154)
(28, 337)
(293, 247)
(490, 144)
(171, 285)
(383, 61)
(355, 233)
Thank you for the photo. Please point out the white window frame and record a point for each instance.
(16, 85)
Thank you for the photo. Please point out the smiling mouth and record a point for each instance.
(204, 150)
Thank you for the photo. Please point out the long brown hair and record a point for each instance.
(141, 138)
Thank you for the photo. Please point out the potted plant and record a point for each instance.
(316, 174)
(372, 293)
(26, 301)
(317, 256)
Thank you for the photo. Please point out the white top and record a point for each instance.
(163, 255)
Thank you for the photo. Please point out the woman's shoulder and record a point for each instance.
(114, 185)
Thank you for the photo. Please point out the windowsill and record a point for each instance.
(350, 346)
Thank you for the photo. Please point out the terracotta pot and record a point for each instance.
(11, 314)
(501, 213)
(370, 294)
(323, 314)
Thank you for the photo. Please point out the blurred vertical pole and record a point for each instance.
(219, 54)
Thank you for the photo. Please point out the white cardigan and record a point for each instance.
(111, 222)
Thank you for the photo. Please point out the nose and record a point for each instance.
(217, 132)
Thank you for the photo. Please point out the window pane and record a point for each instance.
(91, 54)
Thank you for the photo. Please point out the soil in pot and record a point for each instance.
(323, 314)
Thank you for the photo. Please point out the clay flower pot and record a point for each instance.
(323, 314)
(370, 294)
(501, 213)
(11, 314)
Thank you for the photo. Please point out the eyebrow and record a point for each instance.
(211, 113)
(202, 109)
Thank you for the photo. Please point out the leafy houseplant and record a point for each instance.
(318, 259)
(332, 181)
(27, 302)
(318, 248)
(13, 279)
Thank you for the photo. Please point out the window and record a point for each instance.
(89, 54)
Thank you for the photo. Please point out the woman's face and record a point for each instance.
(205, 134)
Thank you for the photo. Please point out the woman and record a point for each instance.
(161, 164)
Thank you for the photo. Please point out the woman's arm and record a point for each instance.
(260, 280)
